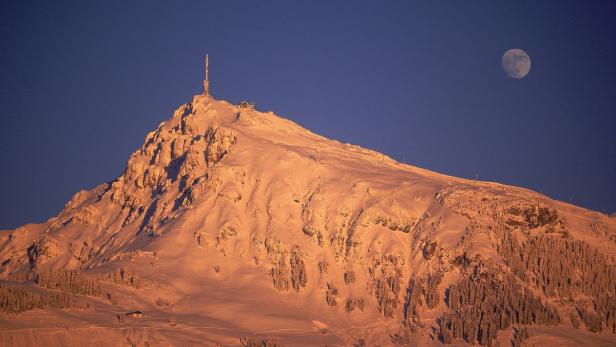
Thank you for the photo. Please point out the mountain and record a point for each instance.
(229, 223)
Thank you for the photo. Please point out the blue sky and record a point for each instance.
(83, 82)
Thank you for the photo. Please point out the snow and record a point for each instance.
(252, 186)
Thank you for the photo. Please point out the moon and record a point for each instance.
(516, 63)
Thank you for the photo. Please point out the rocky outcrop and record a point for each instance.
(43, 250)
(289, 270)
(331, 295)
(298, 270)
(352, 304)
(386, 274)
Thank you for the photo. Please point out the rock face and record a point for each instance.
(215, 208)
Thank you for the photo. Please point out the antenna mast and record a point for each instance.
(206, 83)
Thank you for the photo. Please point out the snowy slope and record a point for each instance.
(246, 223)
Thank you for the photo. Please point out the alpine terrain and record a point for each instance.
(231, 226)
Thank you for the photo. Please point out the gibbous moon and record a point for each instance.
(516, 63)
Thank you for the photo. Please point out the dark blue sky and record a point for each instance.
(83, 82)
